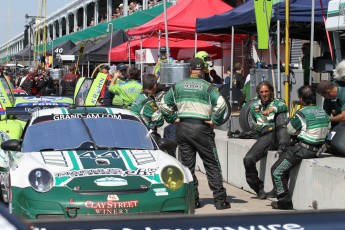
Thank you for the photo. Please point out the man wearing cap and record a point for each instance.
(128, 90)
(121, 76)
(162, 58)
(198, 106)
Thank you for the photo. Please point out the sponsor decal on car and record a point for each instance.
(106, 171)
(43, 103)
(113, 197)
(160, 191)
(97, 91)
(111, 181)
(94, 155)
(89, 115)
(112, 207)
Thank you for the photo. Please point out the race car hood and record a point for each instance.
(102, 170)
(41, 101)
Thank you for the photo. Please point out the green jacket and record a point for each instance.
(313, 124)
(117, 99)
(147, 110)
(128, 91)
(264, 124)
(193, 98)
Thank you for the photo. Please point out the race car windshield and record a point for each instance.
(70, 134)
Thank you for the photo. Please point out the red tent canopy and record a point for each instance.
(180, 48)
(182, 18)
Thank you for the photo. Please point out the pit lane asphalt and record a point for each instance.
(241, 201)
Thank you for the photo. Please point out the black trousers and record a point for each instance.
(270, 141)
(257, 152)
(193, 138)
(281, 168)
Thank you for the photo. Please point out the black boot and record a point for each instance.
(261, 194)
(271, 194)
(282, 205)
(197, 204)
(222, 205)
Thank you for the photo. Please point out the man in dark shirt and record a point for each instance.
(216, 79)
(238, 79)
(69, 82)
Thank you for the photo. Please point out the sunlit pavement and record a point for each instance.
(241, 201)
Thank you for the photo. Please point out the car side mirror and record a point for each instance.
(167, 144)
(11, 145)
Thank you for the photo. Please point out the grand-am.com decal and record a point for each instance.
(106, 171)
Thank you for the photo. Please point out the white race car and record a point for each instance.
(72, 162)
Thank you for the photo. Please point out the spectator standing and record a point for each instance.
(227, 78)
(22, 74)
(238, 79)
(150, 4)
(121, 76)
(129, 90)
(306, 62)
(203, 55)
(69, 81)
(105, 70)
(92, 22)
(117, 13)
(309, 126)
(270, 120)
(39, 81)
(163, 58)
(48, 84)
(27, 82)
(192, 101)
(216, 79)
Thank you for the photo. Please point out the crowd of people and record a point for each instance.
(37, 81)
(194, 106)
(117, 12)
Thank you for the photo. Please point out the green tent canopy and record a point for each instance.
(122, 23)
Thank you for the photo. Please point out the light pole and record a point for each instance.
(52, 44)
(111, 39)
(30, 24)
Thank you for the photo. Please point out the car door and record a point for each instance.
(88, 90)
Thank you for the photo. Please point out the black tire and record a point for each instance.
(246, 120)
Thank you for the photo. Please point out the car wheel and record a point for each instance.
(246, 120)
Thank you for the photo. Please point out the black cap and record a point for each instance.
(106, 67)
(163, 49)
(197, 64)
(121, 66)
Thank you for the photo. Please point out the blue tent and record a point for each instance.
(243, 18)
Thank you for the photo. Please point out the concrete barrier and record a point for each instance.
(315, 183)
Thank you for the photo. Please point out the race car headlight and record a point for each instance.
(172, 177)
(41, 180)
